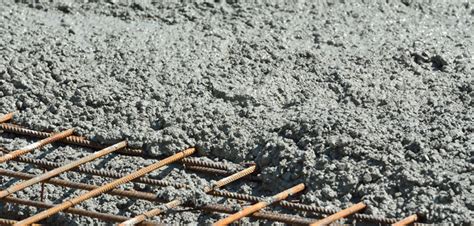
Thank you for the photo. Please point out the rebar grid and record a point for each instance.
(109, 186)
(189, 163)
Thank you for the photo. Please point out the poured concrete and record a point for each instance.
(359, 101)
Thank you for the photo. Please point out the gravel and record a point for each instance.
(359, 101)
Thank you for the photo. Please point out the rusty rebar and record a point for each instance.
(82, 141)
(260, 205)
(83, 186)
(69, 203)
(36, 145)
(76, 211)
(6, 117)
(178, 202)
(10, 222)
(62, 169)
(95, 172)
(406, 221)
(7, 221)
(197, 162)
(340, 214)
(279, 217)
(215, 171)
(76, 140)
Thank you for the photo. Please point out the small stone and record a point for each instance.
(367, 178)
(328, 193)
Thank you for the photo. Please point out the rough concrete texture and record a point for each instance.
(360, 101)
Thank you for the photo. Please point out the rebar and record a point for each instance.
(406, 221)
(178, 202)
(260, 205)
(341, 214)
(82, 141)
(214, 171)
(69, 203)
(6, 117)
(195, 162)
(231, 178)
(76, 211)
(36, 145)
(272, 216)
(83, 186)
(7, 221)
(95, 172)
(62, 169)
(76, 140)
(10, 222)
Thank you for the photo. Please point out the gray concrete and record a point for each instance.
(359, 101)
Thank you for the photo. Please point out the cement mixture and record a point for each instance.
(359, 101)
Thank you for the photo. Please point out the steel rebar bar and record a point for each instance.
(341, 214)
(36, 145)
(6, 117)
(4, 221)
(83, 186)
(95, 172)
(406, 221)
(82, 212)
(216, 171)
(260, 205)
(69, 203)
(272, 216)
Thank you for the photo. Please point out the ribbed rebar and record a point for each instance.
(6, 117)
(7, 221)
(83, 186)
(219, 172)
(77, 140)
(36, 145)
(196, 162)
(61, 169)
(101, 216)
(82, 141)
(260, 205)
(107, 187)
(340, 214)
(272, 216)
(95, 172)
(224, 181)
(10, 222)
(406, 221)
